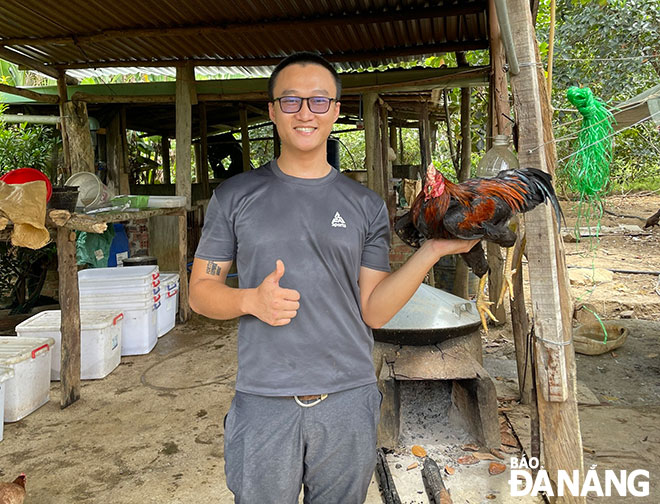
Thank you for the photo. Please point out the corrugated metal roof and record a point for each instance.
(245, 37)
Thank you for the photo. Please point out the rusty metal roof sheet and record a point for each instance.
(245, 37)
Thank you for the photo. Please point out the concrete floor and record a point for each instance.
(151, 432)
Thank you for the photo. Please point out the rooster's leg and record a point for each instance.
(507, 280)
(483, 305)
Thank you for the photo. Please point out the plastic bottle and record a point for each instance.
(499, 157)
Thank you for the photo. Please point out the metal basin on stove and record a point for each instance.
(430, 316)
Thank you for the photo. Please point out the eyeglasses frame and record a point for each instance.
(330, 100)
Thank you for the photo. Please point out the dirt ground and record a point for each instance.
(152, 430)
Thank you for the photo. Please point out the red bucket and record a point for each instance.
(22, 175)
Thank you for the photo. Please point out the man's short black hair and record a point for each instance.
(303, 58)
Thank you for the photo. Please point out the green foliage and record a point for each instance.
(612, 47)
(27, 145)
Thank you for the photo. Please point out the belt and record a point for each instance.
(317, 398)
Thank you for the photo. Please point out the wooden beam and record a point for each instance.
(220, 30)
(351, 56)
(551, 299)
(245, 137)
(21, 59)
(32, 95)
(70, 317)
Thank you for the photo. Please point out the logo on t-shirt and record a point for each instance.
(337, 221)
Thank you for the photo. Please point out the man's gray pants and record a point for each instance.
(273, 446)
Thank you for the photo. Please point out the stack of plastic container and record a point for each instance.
(29, 389)
(100, 340)
(135, 292)
(6, 373)
(169, 287)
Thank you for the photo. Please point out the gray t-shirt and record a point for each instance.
(323, 230)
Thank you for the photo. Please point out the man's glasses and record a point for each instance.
(293, 104)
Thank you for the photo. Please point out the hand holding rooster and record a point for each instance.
(478, 208)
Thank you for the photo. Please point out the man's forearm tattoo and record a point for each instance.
(212, 268)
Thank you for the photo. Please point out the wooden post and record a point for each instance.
(551, 299)
(462, 272)
(424, 137)
(124, 180)
(79, 138)
(425, 151)
(117, 176)
(498, 124)
(373, 158)
(185, 87)
(393, 142)
(62, 92)
(184, 307)
(387, 190)
(185, 79)
(203, 170)
(70, 317)
(165, 149)
(499, 109)
(245, 137)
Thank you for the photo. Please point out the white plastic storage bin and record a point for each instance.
(134, 291)
(29, 389)
(100, 340)
(5, 374)
(166, 201)
(169, 289)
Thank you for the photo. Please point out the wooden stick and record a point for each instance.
(62, 218)
(385, 481)
(435, 487)
(520, 326)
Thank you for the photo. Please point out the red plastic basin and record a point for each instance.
(22, 175)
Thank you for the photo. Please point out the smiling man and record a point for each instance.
(311, 248)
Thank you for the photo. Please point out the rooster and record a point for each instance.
(477, 208)
(13, 493)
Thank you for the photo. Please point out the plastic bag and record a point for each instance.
(94, 248)
(25, 205)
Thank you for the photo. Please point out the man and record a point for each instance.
(311, 248)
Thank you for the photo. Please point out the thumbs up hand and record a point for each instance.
(275, 305)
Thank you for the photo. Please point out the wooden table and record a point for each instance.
(65, 225)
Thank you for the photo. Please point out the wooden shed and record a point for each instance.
(58, 39)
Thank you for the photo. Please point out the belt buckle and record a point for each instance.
(309, 405)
